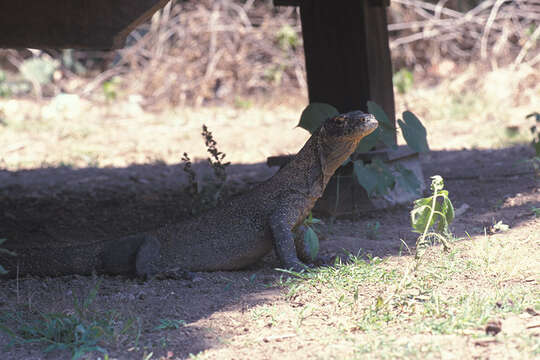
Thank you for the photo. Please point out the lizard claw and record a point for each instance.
(297, 266)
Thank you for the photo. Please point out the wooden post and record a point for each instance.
(347, 53)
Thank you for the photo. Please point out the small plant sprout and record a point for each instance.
(216, 160)
(206, 195)
(432, 216)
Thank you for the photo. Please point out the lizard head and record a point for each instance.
(351, 126)
(338, 137)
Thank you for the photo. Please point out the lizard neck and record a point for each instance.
(311, 169)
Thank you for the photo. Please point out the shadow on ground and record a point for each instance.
(61, 206)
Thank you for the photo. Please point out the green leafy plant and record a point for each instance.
(80, 333)
(38, 70)
(310, 237)
(376, 177)
(287, 38)
(274, 74)
(5, 90)
(207, 194)
(403, 80)
(3, 271)
(241, 103)
(432, 216)
(111, 89)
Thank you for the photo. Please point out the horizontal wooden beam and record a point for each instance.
(83, 24)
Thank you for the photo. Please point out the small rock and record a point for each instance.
(531, 311)
(493, 327)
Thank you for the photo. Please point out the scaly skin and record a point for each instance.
(234, 235)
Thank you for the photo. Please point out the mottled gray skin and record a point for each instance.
(243, 229)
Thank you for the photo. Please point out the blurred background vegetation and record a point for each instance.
(195, 52)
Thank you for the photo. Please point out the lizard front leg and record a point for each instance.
(281, 224)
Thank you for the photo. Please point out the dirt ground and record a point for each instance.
(222, 310)
(215, 306)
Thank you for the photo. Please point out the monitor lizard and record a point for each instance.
(229, 237)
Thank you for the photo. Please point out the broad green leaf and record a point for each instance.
(311, 241)
(420, 217)
(365, 176)
(403, 80)
(386, 130)
(414, 132)
(388, 137)
(408, 180)
(442, 224)
(315, 114)
(369, 142)
(423, 201)
(378, 112)
(448, 209)
(386, 180)
(375, 177)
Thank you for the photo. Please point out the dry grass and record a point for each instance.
(197, 52)
(424, 33)
(475, 108)
(122, 134)
(439, 311)
(477, 111)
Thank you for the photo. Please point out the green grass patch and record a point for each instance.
(444, 294)
(80, 332)
(343, 276)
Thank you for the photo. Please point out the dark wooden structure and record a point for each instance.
(347, 52)
(345, 41)
(81, 24)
